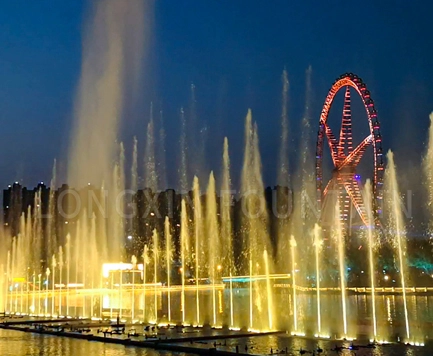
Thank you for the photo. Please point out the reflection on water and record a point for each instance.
(390, 325)
(16, 343)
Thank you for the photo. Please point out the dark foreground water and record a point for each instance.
(16, 343)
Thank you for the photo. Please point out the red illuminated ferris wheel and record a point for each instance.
(345, 183)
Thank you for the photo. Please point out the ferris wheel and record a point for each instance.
(345, 180)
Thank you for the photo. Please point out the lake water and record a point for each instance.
(16, 343)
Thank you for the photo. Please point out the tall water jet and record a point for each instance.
(428, 170)
(92, 246)
(397, 228)
(268, 290)
(68, 270)
(134, 267)
(145, 262)
(283, 178)
(2, 287)
(155, 249)
(340, 242)
(117, 215)
(8, 280)
(112, 57)
(198, 235)
(168, 257)
(213, 239)
(295, 302)
(133, 220)
(134, 166)
(34, 229)
(162, 174)
(317, 247)
(61, 262)
(225, 209)
(254, 217)
(150, 176)
(231, 301)
(47, 273)
(283, 165)
(303, 213)
(77, 255)
(251, 293)
(53, 295)
(51, 237)
(184, 249)
(183, 169)
(306, 130)
(371, 246)
(7, 283)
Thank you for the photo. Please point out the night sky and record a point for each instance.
(234, 52)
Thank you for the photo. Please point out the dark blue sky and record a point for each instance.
(234, 53)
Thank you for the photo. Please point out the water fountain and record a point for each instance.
(371, 257)
(134, 266)
(317, 247)
(398, 231)
(168, 257)
(339, 241)
(155, 250)
(184, 247)
(204, 245)
(295, 302)
(213, 238)
(145, 262)
(198, 235)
